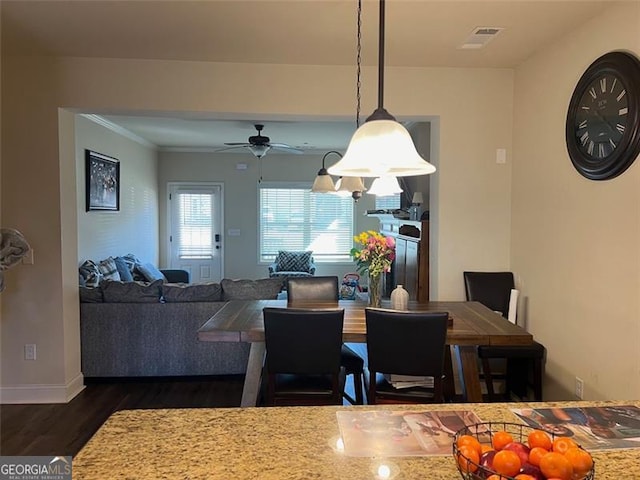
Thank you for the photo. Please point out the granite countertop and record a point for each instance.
(277, 443)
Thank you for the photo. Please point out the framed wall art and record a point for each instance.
(102, 182)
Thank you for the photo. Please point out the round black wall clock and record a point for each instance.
(603, 119)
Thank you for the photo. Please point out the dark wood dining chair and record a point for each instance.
(302, 362)
(401, 344)
(326, 289)
(522, 365)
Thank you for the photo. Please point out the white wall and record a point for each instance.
(472, 198)
(134, 228)
(576, 242)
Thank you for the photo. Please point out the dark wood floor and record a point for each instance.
(63, 429)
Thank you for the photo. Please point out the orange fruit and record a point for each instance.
(536, 454)
(562, 444)
(580, 460)
(470, 441)
(507, 462)
(500, 439)
(495, 476)
(486, 448)
(556, 465)
(524, 476)
(538, 438)
(468, 458)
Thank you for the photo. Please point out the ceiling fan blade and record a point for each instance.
(284, 146)
(231, 148)
(239, 144)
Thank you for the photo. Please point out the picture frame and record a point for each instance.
(102, 175)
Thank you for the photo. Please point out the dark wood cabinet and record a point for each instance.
(411, 266)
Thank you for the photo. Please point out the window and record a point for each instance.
(294, 218)
(390, 202)
(194, 225)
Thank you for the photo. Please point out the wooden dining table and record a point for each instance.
(471, 324)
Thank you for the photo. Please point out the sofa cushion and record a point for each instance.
(150, 272)
(197, 292)
(123, 269)
(91, 273)
(293, 261)
(108, 269)
(131, 292)
(265, 288)
(91, 295)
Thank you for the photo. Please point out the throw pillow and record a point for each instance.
(91, 273)
(293, 261)
(198, 292)
(91, 295)
(131, 292)
(109, 270)
(123, 269)
(131, 260)
(150, 272)
(263, 289)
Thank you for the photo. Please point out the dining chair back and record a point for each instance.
(302, 360)
(312, 289)
(401, 345)
(524, 363)
(326, 289)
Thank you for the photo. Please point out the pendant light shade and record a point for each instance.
(381, 146)
(385, 186)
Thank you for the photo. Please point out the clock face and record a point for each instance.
(603, 119)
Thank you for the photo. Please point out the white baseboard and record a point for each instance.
(34, 393)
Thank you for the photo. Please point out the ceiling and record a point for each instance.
(420, 33)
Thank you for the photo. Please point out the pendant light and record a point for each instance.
(381, 146)
(323, 182)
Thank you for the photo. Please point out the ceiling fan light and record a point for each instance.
(385, 186)
(259, 150)
(323, 182)
(381, 148)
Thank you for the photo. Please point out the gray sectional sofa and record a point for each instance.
(134, 329)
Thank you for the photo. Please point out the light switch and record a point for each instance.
(501, 155)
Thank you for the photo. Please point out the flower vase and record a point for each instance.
(375, 293)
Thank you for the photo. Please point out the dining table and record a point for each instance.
(470, 324)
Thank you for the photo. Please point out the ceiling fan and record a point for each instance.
(259, 145)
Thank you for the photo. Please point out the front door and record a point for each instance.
(195, 240)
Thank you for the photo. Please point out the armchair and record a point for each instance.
(293, 264)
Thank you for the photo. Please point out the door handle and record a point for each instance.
(217, 237)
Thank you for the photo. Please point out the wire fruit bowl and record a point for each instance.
(484, 433)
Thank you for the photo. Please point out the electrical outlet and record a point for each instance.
(579, 388)
(30, 351)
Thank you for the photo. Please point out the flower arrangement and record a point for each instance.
(376, 255)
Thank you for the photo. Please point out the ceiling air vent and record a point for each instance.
(480, 37)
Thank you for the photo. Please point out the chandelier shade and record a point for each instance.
(323, 182)
(350, 184)
(385, 186)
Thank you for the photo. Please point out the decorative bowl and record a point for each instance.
(484, 433)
